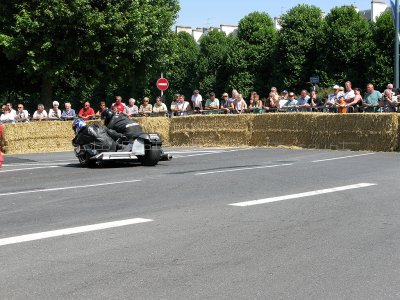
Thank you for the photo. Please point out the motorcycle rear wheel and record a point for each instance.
(152, 155)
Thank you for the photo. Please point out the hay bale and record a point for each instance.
(160, 125)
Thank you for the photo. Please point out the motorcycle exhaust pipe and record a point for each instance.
(166, 157)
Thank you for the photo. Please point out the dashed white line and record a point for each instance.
(343, 157)
(302, 195)
(69, 231)
(27, 169)
(243, 169)
(201, 154)
(67, 188)
(49, 162)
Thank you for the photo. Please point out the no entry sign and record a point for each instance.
(162, 84)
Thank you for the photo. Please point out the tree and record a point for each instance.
(381, 69)
(81, 46)
(346, 47)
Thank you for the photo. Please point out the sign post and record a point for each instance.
(314, 80)
(162, 84)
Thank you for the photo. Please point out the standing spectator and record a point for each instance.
(331, 101)
(388, 103)
(314, 101)
(271, 103)
(159, 107)
(174, 102)
(146, 108)
(255, 104)
(131, 109)
(349, 95)
(212, 103)
(227, 104)
(302, 102)
(68, 113)
(55, 112)
(283, 98)
(118, 106)
(182, 107)
(6, 116)
(102, 107)
(12, 111)
(240, 105)
(197, 101)
(86, 112)
(40, 114)
(22, 114)
(371, 98)
(274, 91)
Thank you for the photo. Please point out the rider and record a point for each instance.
(121, 124)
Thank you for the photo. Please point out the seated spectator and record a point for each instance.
(159, 107)
(227, 105)
(291, 104)
(55, 112)
(197, 101)
(341, 105)
(12, 111)
(40, 114)
(22, 114)
(6, 116)
(302, 102)
(118, 106)
(240, 105)
(182, 107)
(86, 113)
(212, 103)
(174, 102)
(68, 113)
(146, 108)
(371, 98)
(314, 101)
(102, 107)
(131, 109)
(388, 103)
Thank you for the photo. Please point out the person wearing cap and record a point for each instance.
(331, 101)
(212, 103)
(291, 104)
(226, 105)
(371, 98)
(55, 112)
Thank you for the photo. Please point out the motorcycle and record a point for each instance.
(96, 145)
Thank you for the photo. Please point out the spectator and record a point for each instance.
(387, 101)
(174, 102)
(227, 104)
(146, 108)
(118, 106)
(68, 113)
(102, 107)
(314, 101)
(302, 102)
(6, 116)
(341, 105)
(182, 107)
(240, 104)
(357, 100)
(40, 114)
(283, 98)
(274, 91)
(22, 114)
(86, 112)
(371, 98)
(12, 111)
(349, 95)
(331, 101)
(255, 104)
(197, 101)
(131, 109)
(55, 112)
(159, 107)
(271, 102)
(212, 103)
(291, 104)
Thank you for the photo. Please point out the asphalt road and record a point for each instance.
(325, 226)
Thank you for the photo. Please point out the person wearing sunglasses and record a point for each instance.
(22, 115)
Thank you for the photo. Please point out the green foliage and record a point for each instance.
(296, 49)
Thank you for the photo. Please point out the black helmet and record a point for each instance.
(107, 115)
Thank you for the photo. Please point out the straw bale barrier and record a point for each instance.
(211, 130)
(158, 125)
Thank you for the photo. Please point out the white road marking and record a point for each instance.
(302, 195)
(25, 169)
(205, 151)
(67, 188)
(343, 157)
(201, 154)
(69, 231)
(243, 169)
(48, 162)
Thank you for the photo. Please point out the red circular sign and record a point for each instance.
(162, 84)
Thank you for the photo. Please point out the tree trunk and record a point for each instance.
(46, 93)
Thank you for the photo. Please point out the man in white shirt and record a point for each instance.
(12, 111)
(22, 114)
(197, 101)
(212, 103)
(40, 114)
(349, 95)
(7, 116)
(182, 107)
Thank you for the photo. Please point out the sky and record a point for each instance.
(206, 13)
